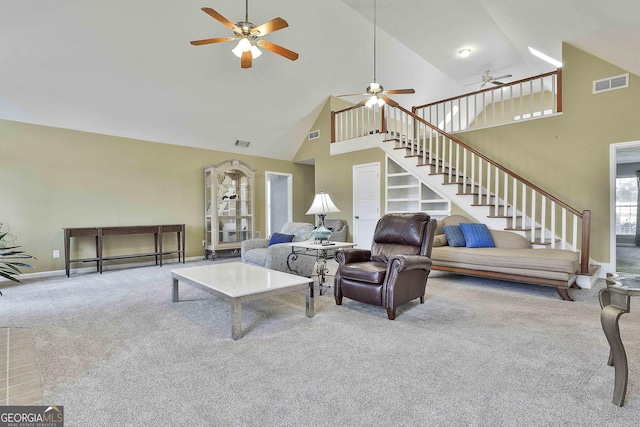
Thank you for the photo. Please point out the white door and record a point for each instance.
(366, 203)
(278, 199)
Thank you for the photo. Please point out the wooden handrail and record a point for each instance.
(497, 165)
(489, 89)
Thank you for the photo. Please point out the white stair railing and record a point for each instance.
(545, 219)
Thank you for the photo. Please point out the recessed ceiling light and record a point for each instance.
(544, 57)
(465, 52)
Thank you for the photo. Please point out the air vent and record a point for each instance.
(611, 83)
(241, 143)
(314, 135)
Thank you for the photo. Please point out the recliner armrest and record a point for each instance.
(410, 262)
(350, 255)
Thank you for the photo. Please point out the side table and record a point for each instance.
(615, 300)
(320, 252)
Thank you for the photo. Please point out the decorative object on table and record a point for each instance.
(9, 254)
(248, 36)
(321, 206)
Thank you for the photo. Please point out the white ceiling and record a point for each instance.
(127, 68)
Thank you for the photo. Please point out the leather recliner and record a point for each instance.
(396, 268)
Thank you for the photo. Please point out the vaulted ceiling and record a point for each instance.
(127, 68)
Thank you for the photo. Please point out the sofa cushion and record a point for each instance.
(476, 235)
(280, 238)
(509, 240)
(558, 260)
(440, 240)
(455, 236)
(370, 272)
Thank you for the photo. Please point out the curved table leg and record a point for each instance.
(617, 357)
(292, 257)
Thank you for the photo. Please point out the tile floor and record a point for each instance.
(19, 373)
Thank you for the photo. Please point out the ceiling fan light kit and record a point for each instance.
(248, 36)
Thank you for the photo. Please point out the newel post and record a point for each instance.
(333, 126)
(383, 125)
(586, 237)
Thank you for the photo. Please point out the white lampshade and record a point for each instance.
(243, 45)
(255, 52)
(322, 205)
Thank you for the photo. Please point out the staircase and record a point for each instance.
(486, 190)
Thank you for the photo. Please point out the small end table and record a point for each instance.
(615, 300)
(318, 250)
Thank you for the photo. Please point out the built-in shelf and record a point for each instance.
(407, 193)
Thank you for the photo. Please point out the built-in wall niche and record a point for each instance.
(407, 193)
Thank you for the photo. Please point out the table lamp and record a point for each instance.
(321, 206)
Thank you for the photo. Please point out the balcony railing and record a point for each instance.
(520, 100)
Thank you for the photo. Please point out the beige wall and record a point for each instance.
(568, 155)
(54, 178)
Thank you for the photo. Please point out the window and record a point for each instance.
(626, 205)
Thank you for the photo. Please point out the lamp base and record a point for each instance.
(321, 233)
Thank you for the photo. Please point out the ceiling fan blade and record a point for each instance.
(351, 94)
(506, 76)
(270, 26)
(219, 17)
(245, 61)
(210, 41)
(495, 82)
(389, 101)
(400, 91)
(361, 103)
(471, 84)
(277, 49)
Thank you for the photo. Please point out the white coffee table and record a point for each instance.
(237, 282)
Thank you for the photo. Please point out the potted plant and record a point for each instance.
(9, 253)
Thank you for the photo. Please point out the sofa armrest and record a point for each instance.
(350, 255)
(247, 245)
(409, 262)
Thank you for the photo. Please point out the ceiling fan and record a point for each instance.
(249, 37)
(487, 78)
(375, 93)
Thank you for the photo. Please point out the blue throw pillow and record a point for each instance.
(280, 238)
(454, 236)
(477, 235)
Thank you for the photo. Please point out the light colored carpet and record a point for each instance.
(114, 350)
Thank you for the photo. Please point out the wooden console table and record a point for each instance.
(100, 232)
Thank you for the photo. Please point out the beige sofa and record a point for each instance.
(512, 259)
